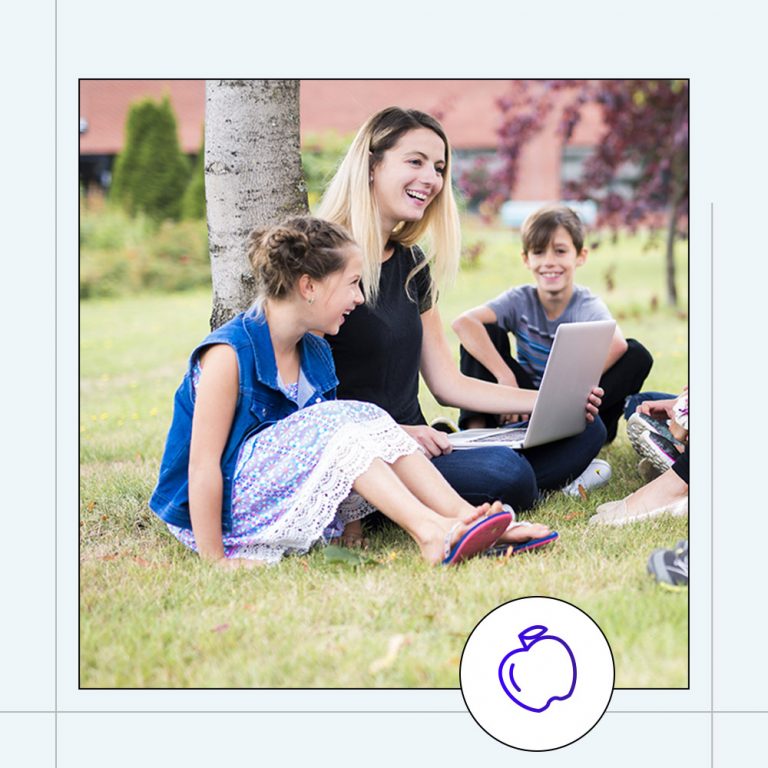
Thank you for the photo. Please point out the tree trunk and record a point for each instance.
(670, 257)
(253, 177)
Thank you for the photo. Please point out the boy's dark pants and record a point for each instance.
(625, 377)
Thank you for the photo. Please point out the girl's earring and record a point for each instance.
(311, 300)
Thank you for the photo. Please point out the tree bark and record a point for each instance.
(253, 177)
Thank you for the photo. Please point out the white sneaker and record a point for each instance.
(597, 474)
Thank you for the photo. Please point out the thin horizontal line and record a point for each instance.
(352, 712)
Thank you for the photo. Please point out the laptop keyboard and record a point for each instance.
(503, 436)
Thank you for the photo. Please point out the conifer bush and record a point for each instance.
(151, 173)
(193, 202)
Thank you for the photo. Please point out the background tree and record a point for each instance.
(151, 172)
(645, 146)
(193, 201)
(252, 177)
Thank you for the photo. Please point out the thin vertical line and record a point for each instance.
(712, 484)
(55, 383)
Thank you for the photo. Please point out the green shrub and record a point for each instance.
(177, 257)
(151, 173)
(120, 255)
(321, 154)
(193, 202)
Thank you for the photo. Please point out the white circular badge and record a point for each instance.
(537, 673)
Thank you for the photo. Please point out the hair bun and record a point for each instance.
(302, 245)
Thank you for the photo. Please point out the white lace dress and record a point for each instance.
(293, 482)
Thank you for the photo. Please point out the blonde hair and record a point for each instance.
(349, 202)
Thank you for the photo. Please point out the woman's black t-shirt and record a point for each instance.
(377, 350)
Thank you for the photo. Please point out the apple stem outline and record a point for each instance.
(528, 638)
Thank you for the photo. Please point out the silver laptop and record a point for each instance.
(574, 367)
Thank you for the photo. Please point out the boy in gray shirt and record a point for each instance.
(553, 247)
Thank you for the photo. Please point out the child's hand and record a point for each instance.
(593, 402)
(678, 432)
(657, 409)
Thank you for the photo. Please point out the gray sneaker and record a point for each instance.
(670, 566)
(638, 424)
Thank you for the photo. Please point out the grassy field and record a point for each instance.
(153, 615)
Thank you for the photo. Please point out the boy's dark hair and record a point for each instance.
(539, 227)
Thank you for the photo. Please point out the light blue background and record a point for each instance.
(193, 39)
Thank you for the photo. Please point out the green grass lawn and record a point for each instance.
(153, 615)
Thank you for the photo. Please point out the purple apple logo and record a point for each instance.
(543, 670)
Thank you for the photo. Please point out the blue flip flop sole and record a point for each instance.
(501, 550)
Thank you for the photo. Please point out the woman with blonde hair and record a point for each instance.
(392, 192)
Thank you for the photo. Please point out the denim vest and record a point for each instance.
(260, 403)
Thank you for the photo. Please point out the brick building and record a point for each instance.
(467, 109)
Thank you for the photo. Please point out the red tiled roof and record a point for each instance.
(467, 108)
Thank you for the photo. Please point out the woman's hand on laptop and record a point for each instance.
(593, 402)
(431, 441)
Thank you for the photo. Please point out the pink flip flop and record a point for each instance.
(477, 539)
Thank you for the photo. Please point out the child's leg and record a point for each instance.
(421, 477)
(623, 379)
(471, 367)
(381, 486)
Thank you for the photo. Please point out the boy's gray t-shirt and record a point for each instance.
(520, 312)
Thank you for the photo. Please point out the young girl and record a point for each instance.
(260, 461)
(392, 190)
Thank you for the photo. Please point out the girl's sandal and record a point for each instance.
(477, 539)
(507, 550)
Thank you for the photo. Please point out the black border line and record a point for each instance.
(56, 382)
(80, 687)
(712, 485)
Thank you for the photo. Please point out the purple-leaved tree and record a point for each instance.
(644, 146)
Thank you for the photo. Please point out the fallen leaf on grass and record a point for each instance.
(90, 505)
(395, 644)
(582, 492)
(220, 628)
(574, 515)
(113, 556)
(142, 562)
(334, 554)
